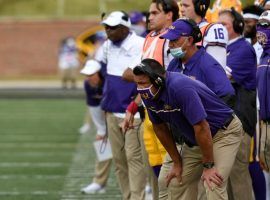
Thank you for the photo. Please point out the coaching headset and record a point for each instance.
(238, 22)
(153, 69)
(201, 6)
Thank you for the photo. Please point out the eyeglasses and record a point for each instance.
(112, 27)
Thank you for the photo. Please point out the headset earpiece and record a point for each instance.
(156, 80)
(159, 82)
(201, 6)
(238, 22)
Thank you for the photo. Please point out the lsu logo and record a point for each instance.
(145, 96)
(171, 27)
(192, 77)
(167, 107)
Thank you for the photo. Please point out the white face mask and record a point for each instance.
(178, 51)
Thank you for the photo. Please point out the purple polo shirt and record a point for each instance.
(203, 67)
(117, 94)
(185, 102)
(241, 58)
(263, 85)
(93, 94)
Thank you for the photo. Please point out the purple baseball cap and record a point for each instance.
(135, 17)
(178, 28)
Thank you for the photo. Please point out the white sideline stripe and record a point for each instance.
(36, 145)
(23, 193)
(25, 154)
(31, 164)
(7, 177)
(80, 169)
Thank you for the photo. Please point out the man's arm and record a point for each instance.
(204, 140)
(165, 136)
(129, 118)
(128, 75)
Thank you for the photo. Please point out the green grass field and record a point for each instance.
(42, 155)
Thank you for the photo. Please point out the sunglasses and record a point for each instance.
(112, 27)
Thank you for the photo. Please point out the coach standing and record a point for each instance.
(119, 50)
(263, 85)
(212, 132)
(241, 59)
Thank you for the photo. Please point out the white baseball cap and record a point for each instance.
(117, 18)
(91, 67)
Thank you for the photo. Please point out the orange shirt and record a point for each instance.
(212, 14)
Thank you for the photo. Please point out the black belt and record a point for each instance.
(228, 121)
(189, 144)
(267, 121)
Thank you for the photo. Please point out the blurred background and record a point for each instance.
(43, 154)
(31, 31)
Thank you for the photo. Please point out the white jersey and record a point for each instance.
(215, 40)
(215, 35)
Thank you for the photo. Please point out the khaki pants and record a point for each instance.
(163, 193)
(166, 166)
(264, 150)
(102, 171)
(225, 147)
(127, 157)
(240, 184)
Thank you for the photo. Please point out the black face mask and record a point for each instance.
(251, 33)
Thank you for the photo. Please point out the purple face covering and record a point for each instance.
(263, 36)
(146, 93)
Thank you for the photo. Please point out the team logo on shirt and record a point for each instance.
(192, 77)
(145, 96)
(171, 27)
(167, 107)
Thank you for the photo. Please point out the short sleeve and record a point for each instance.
(101, 54)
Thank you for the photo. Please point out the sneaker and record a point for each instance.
(93, 188)
(84, 129)
(148, 189)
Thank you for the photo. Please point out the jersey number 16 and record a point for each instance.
(219, 33)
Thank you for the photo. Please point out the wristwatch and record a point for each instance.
(208, 165)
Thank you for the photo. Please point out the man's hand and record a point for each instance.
(99, 137)
(128, 122)
(212, 176)
(263, 165)
(175, 172)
